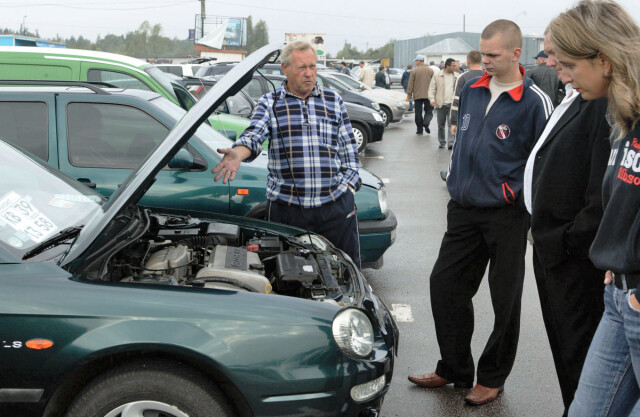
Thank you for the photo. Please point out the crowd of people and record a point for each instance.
(550, 156)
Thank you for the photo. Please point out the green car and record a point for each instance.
(52, 64)
(110, 309)
(99, 136)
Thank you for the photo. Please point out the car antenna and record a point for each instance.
(295, 187)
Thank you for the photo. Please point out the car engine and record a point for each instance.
(215, 255)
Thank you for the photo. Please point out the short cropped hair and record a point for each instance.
(448, 62)
(474, 57)
(512, 35)
(296, 46)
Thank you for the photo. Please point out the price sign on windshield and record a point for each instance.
(24, 217)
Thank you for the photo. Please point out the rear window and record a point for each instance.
(25, 125)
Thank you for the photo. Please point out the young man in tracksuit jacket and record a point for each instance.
(500, 116)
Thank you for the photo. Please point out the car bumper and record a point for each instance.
(347, 374)
(376, 236)
(377, 130)
(398, 113)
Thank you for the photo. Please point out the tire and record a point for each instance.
(362, 135)
(150, 385)
(387, 116)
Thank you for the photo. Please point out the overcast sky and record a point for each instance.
(362, 23)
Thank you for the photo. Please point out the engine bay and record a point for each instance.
(188, 252)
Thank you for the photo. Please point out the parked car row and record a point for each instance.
(157, 300)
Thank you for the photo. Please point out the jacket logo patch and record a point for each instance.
(503, 132)
(465, 121)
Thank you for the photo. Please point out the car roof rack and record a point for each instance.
(93, 86)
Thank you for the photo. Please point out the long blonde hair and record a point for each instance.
(604, 26)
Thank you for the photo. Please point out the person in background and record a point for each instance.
(563, 193)
(474, 59)
(546, 78)
(418, 91)
(598, 45)
(344, 69)
(325, 178)
(405, 83)
(441, 93)
(382, 78)
(366, 74)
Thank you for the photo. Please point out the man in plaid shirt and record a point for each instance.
(317, 140)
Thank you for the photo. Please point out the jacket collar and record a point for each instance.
(515, 93)
(284, 92)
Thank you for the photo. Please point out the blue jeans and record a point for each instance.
(609, 380)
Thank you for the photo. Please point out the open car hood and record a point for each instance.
(137, 184)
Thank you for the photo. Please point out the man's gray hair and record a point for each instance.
(296, 46)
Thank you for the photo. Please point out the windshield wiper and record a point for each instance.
(60, 237)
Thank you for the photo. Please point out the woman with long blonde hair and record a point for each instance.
(598, 45)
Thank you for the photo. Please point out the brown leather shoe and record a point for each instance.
(430, 380)
(481, 395)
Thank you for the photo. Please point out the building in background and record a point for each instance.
(454, 48)
(19, 40)
(405, 50)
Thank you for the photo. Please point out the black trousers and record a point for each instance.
(337, 221)
(474, 238)
(422, 122)
(571, 298)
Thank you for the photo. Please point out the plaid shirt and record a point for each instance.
(317, 139)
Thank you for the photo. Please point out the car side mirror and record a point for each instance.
(182, 160)
(231, 134)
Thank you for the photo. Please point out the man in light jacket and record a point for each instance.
(366, 74)
(441, 93)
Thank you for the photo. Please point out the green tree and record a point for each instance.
(257, 36)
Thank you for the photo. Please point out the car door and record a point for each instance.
(29, 122)
(103, 141)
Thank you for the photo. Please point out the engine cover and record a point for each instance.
(236, 264)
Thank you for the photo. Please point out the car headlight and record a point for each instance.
(382, 199)
(375, 106)
(353, 333)
(377, 117)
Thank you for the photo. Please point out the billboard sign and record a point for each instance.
(315, 39)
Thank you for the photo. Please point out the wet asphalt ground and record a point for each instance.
(410, 166)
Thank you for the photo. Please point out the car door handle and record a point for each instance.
(87, 182)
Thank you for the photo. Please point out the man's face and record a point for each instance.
(456, 66)
(361, 65)
(498, 60)
(301, 73)
(552, 61)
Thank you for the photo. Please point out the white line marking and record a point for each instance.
(402, 312)
(375, 157)
(386, 180)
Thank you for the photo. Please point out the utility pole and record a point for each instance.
(202, 16)
(463, 23)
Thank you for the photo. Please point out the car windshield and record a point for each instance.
(37, 202)
(357, 85)
(346, 86)
(208, 135)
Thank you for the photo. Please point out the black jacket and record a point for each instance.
(546, 78)
(566, 194)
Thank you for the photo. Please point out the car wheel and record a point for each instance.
(387, 115)
(154, 388)
(361, 134)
